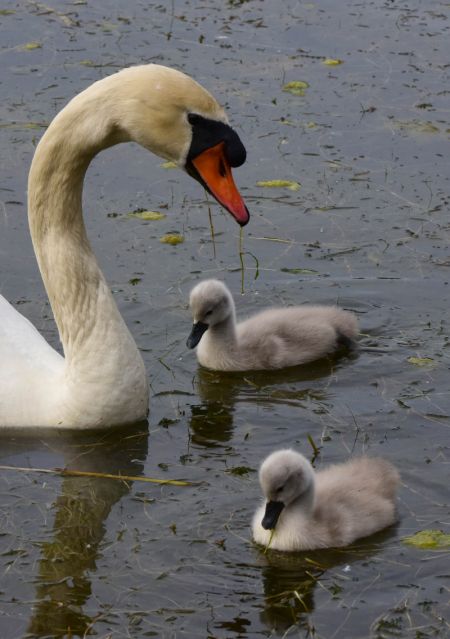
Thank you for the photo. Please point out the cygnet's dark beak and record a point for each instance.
(196, 334)
(273, 511)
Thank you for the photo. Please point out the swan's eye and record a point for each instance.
(279, 489)
(208, 313)
(193, 118)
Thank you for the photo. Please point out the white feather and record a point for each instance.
(101, 380)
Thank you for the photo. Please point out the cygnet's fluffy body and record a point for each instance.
(273, 339)
(327, 509)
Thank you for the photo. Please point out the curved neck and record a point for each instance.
(225, 331)
(95, 339)
(305, 501)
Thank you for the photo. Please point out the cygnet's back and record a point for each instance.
(275, 338)
(330, 508)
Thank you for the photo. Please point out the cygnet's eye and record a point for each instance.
(279, 489)
(208, 313)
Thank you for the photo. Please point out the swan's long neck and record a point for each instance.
(99, 351)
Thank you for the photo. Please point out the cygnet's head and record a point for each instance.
(211, 303)
(285, 476)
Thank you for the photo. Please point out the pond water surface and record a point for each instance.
(368, 229)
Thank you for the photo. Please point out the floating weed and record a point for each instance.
(299, 271)
(422, 361)
(165, 422)
(272, 532)
(172, 238)
(6, 12)
(276, 184)
(169, 165)
(240, 471)
(415, 126)
(134, 281)
(316, 449)
(301, 600)
(149, 216)
(31, 46)
(211, 227)
(107, 27)
(296, 87)
(84, 473)
(273, 239)
(428, 539)
(23, 125)
(332, 62)
(241, 259)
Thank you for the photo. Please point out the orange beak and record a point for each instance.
(214, 172)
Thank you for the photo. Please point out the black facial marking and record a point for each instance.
(207, 133)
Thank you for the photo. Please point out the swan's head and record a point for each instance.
(285, 476)
(211, 303)
(170, 114)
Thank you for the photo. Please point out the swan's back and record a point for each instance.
(28, 364)
(354, 499)
(276, 338)
(368, 475)
(300, 324)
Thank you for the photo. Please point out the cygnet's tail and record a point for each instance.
(346, 325)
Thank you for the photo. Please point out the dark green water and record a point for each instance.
(368, 142)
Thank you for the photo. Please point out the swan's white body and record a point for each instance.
(273, 339)
(330, 508)
(101, 380)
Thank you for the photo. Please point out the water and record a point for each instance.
(368, 229)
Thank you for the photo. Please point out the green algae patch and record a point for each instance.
(31, 46)
(149, 216)
(172, 238)
(428, 539)
(296, 87)
(332, 62)
(421, 361)
(277, 184)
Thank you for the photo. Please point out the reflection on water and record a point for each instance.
(290, 579)
(63, 575)
(211, 422)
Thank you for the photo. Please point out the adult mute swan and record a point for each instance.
(275, 338)
(333, 507)
(101, 380)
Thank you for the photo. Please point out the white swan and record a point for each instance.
(275, 338)
(101, 381)
(333, 507)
